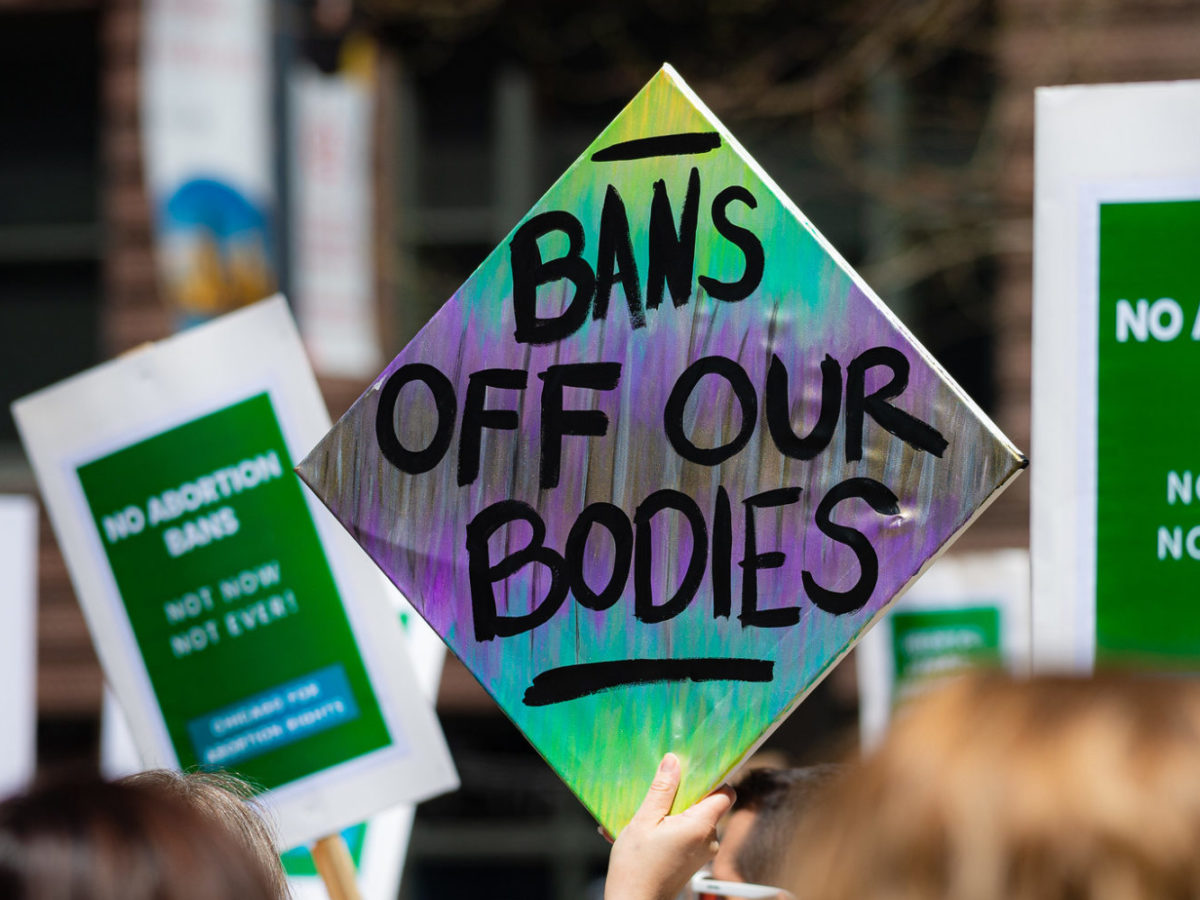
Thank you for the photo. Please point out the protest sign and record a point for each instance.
(18, 641)
(237, 626)
(1115, 540)
(208, 145)
(967, 610)
(378, 846)
(659, 462)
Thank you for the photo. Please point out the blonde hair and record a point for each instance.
(989, 789)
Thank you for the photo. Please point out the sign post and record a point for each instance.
(237, 628)
(332, 858)
(660, 461)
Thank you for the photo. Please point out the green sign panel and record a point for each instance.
(231, 598)
(942, 641)
(1147, 510)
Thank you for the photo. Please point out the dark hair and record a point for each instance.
(778, 798)
(87, 839)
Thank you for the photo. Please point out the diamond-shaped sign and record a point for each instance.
(660, 461)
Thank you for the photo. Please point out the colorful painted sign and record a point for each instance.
(237, 629)
(660, 461)
(967, 610)
(18, 642)
(1116, 326)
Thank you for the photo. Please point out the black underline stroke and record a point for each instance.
(572, 682)
(662, 145)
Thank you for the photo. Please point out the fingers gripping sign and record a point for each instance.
(656, 853)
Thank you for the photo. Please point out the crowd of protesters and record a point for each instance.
(986, 788)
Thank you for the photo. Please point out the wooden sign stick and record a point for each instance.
(336, 868)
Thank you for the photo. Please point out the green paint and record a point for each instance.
(206, 650)
(1145, 575)
(940, 642)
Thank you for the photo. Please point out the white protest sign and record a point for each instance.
(18, 642)
(968, 609)
(238, 628)
(1115, 541)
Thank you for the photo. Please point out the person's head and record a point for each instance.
(989, 789)
(761, 825)
(226, 800)
(87, 839)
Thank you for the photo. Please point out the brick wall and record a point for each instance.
(1047, 42)
(70, 683)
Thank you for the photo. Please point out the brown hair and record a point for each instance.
(777, 797)
(86, 839)
(989, 789)
(226, 799)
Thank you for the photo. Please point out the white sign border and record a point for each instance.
(1094, 144)
(18, 660)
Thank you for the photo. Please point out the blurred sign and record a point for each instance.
(659, 462)
(18, 641)
(1116, 513)
(237, 627)
(207, 139)
(967, 610)
(379, 846)
(333, 239)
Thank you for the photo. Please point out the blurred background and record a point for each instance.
(902, 128)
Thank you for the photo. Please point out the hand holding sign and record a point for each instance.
(656, 853)
(660, 461)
